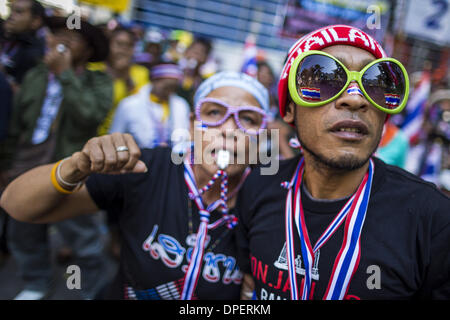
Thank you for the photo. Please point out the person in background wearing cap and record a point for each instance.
(335, 222)
(58, 108)
(175, 213)
(128, 77)
(152, 114)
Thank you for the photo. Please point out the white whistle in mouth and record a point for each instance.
(223, 159)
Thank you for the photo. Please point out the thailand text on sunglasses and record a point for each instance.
(317, 78)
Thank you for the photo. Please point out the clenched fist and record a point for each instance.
(116, 153)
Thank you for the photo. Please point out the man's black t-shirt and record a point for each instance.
(153, 216)
(405, 241)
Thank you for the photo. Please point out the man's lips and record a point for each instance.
(349, 129)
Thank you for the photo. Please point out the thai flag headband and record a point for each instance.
(166, 71)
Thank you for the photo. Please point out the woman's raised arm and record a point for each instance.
(51, 193)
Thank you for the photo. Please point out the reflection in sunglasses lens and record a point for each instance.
(385, 84)
(319, 78)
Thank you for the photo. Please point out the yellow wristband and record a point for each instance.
(55, 181)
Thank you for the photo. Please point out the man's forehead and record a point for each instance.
(168, 80)
(234, 95)
(352, 57)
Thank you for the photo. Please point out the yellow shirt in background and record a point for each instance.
(140, 77)
(164, 104)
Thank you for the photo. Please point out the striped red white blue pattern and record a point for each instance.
(310, 94)
(432, 167)
(249, 65)
(289, 230)
(194, 267)
(415, 108)
(347, 260)
(353, 88)
(200, 126)
(392, 100)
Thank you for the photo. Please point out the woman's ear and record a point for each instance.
(289, 115)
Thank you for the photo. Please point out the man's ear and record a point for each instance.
(289, 116)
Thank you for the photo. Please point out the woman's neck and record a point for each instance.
(202, 177)
(118, 73)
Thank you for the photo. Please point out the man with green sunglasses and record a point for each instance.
(317, 78)
(336, 222)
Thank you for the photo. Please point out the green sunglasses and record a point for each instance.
(317, 78)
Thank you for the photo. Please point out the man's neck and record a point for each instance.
(159, 95)
(327, 183)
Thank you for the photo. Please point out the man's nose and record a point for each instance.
(352, 98)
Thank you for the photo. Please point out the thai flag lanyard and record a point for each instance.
(194, 267)
(347, 260)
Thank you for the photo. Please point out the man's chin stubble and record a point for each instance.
(346, 162)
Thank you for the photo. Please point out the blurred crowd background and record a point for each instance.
(71, 70)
